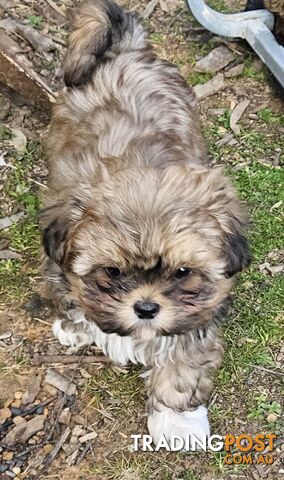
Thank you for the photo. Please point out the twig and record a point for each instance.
(84, 452)
(268, 370)
(150, 9)
(80, 358)
(67, 359)
(49, 459)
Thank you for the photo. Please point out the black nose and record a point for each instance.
(146, 309)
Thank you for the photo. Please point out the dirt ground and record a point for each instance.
(107, 400)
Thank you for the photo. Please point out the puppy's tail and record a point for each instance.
(100, 29)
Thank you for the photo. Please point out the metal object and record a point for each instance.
(253, 26)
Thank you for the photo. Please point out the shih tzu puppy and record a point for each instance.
(141, 238)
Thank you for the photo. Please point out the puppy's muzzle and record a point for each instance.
(146, 310)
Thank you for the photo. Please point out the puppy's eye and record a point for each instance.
(113, 272)
(182, 272)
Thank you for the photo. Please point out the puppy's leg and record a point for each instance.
(179, 390)
(74, 330)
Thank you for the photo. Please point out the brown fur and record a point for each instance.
(130, 187)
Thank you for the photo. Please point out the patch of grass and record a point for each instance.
(263, 407)
(15, 275)
(5, 134)
(271, 118)
(251, 71)
(122, 388)
(124, 469)
(158, 38)
(218, 5)
(195, 78)
(35, 21)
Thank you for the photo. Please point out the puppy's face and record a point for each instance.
(150, 252)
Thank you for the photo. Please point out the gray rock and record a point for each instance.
(217, 59)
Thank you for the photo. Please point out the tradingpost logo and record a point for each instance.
(240, 449)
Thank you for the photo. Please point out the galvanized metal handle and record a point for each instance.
(254, 26)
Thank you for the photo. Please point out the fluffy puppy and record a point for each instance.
(141, 238)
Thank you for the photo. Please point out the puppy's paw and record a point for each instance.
(167, 422)
(69, 337)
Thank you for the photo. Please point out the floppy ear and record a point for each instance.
(57, 222)
(230, 213)
(237, 253)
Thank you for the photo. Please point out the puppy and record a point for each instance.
(141, 238)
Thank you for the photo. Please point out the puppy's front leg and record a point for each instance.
(179, 389)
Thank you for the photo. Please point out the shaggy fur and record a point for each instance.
(142, 239)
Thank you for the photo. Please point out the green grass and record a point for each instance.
(23, 236)
(35, 21)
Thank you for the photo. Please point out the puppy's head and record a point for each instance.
(150, 252)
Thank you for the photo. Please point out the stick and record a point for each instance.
(268, 370)
(49, 459)
(67, 359)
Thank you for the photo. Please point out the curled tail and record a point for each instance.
(100, 27)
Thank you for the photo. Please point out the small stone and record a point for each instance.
(87, 437)
(18, 395)
(7, 456)
(79, 420)
(18, 420)
(21, 433)
(10, 474)
(71, 447)
(217, 59)
(78, 431)
(16, 411)
(5, 413)
(209, 88)
(16, 403)
(48, 448)
(8, 402)
(235, 71)
(40, 410)
(3, 468)
(32, 390)
(65, 416)
(45, 412)
(257, 65)
(16, 470)
(271, 418)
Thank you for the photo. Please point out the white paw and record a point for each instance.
(69, 338)
(167, 422)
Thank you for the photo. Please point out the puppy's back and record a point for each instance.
(101, 30)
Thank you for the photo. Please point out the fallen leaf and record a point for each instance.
(8, 221)
(276, 205)
(236, 116)
(150, 9)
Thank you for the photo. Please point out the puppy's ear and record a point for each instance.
(57, 222)
(237, 253)
(231, 216)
